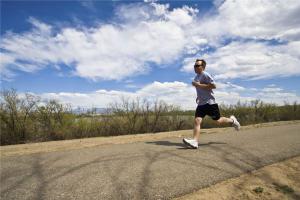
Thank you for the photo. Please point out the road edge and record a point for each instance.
(41, 147)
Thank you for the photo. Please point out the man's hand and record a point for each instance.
(194, 83)
(204, 86)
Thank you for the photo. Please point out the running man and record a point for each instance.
(204, 84)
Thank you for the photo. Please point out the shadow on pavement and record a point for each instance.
(180, 144)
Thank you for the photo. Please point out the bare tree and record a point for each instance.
(145, 112)
(52, 117)
(127, 110)
(15, 112)
(159, 108)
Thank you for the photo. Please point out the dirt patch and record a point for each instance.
(276, 181)
(21, 149)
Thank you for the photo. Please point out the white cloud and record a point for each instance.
(89, 4)
(231, 97)
(144, 33)
(251, 60)
(106, 52)
(271, 89)
(231, 86)
(182, 16)
(175, 93)
(277, 96)
(250, 19)
(262, 19)
(40, 28)
(6, 74)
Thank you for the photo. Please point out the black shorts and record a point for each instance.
(207, 109)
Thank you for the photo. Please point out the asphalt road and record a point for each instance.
(145, 170)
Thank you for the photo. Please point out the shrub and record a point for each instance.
(27, 119)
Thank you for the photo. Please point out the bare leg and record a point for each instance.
(224, 120)
(197, 128)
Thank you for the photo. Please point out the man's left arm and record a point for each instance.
(208, 86)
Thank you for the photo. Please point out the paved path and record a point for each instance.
(145, 170)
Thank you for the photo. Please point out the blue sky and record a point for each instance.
(89, 53)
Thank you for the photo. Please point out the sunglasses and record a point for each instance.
(198, 65)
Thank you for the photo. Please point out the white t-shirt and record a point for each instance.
(205, 96)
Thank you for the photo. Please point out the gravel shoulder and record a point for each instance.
(277, 181)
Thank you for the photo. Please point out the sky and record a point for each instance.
(93, 53)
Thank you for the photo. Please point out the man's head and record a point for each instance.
(199, 66)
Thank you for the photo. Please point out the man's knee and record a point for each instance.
(198, 120)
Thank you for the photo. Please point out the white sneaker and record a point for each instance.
(235, 123)
(191, 143)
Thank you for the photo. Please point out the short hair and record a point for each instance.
(203, 62)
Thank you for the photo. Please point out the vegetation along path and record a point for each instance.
(162, 168)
